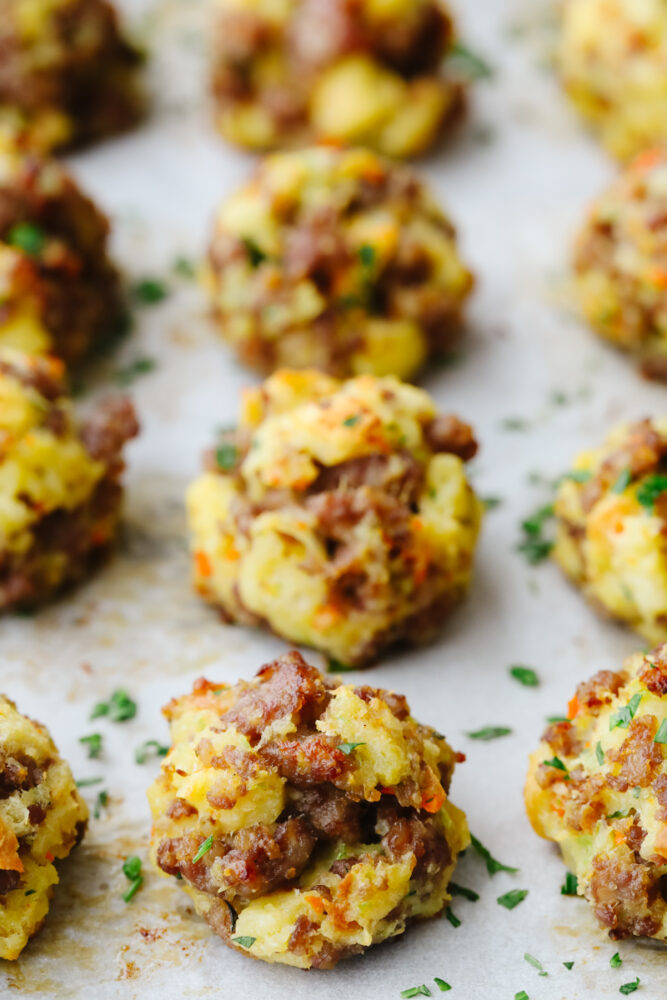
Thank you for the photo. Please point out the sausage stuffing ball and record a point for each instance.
(613, 55)
(339, 261)
(611, 540)
(346, 71)
(621, 263)
(42, 817)
(338, 514)
(307, 819)
(597, 786)
(67, 76)
(59, 292)
(60, 489)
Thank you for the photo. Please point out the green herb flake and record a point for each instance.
(570, 885)
(622, 482)
(451, 916)
(226, 456)
(492, 865)
(416, 991)
(132, 872)
(184, 268)
(244, 942)
(616, 961)
(336, 667)
(569, 965)
(129, 374)
(30, 892)
(536, 964)
(514, 424)
(461, 890)
(557, 763)
(627, 988)
(469, 64)
(119, 708)
(661, 735)
(534, 546)
(512, 898)
(599, 753)
(87, 782)
(557, 718)
(28, 237)
(351, 421)
(442, 985)
(622, 718)
(203, 849)
(650, 490)
(348, 748)
(490, 733)
(367, 255)
(149, 291)
(147, 748)
(101, 803)
(578, 476)
(93, 744)
(490, 503)
(525, 675)
(619, 814)
(521, 995)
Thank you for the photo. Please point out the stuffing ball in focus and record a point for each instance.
(338, 514)
(67, 76)
(621, 263)
(339, 261)
(60, 489)
(307, 819)
(613, 62)
(597, 786)
(611, 512)
(42, 817)
(59, 292)
(351, 72)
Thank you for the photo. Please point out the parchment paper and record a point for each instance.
(516, 181)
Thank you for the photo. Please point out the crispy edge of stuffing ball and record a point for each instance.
(315, 487)
(317, 74)
(78, 97)
(42, 817)
(66, 529)
(597, 787)
(371, 282)
(610, 538)
(620, 267)
(64, 293)
(306, 819)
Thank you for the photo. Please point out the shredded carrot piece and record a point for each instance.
(326, 616)
(434, 802)
(573, 707)
(203, 564)
(647, 159)
(619, 838)
(658, 277)
(49, 856)
(316, 902)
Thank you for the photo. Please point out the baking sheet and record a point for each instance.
(516, 181)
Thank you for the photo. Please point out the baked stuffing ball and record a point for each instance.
(597, 787)
(611, 512)
(621, 263)
(613, 59)
(339, 261)
(67, 76)
(60, 489)
(59, 292)
(338, 514)
(307, 819)
(42, 817)
(366, 72)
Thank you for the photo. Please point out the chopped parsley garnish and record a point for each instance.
(514, 424)
(661, 735)
(30, 892)
(416, 991)
(619, 814)
(536, 964)
(351, 421)
(622, 717)
(244, 942)
(623, 481)
(521, 995)
(599, 752)
(616, 961)
(136, 369)
(534, 546)
(557, 718)
(256, 255)
(578, 476)
(149, 291)
(558, 764)
(451, 916)
(184, 268)
(569, 965)
(512, 898)
(525, 675)
(570, 885)
(226, 456)
(466, 62)
(101, 803)
(461, 890)
(87, 782)
(490, 503)
(629, 987)
(93, 743)
(28, 237)
(441, 984)
(348, 748)
(143, 752)
(492, 866)
(203, 849)
(367, 255)
(336, 667)
(649, 491)
(119, 708)
(132, 872)
(490, 733)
